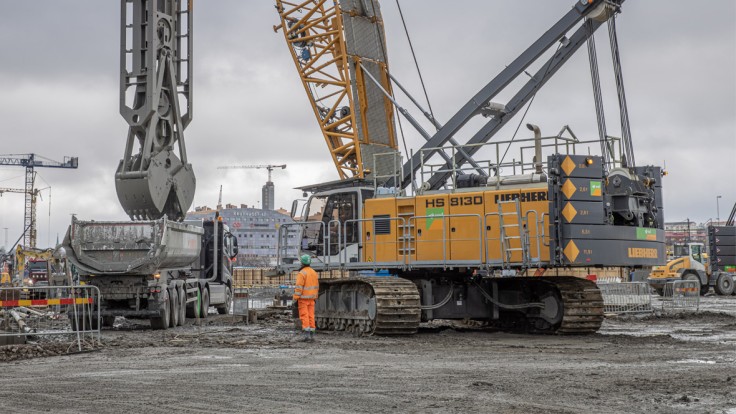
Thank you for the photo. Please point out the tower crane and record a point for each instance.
(268, 189)
(269, 167)
(30, 162)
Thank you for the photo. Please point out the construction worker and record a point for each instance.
(305, 294)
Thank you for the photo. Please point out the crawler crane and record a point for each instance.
(470, 243)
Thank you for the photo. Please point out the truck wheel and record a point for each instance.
(173, 308)
(724, 285)
(182, 306)
(108, 321)
(205, 302)
(225, 308)
(162, 321)
(193, 307)
(86, 322)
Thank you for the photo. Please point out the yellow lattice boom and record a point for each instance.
(315, 33)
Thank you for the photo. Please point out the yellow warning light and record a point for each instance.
(664, 172)
(219, 218)
(157, 275)
(589, 161)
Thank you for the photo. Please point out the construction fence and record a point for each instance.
(629, 297)
(32, 313)
(636, 297)
(681, 295)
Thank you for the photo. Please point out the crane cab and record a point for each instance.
(330, 225)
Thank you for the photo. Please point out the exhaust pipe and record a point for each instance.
(537, 147)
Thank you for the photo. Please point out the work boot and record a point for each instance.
(304, 337)
(311, 336)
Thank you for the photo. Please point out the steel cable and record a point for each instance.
(624, 112)
(416, 63)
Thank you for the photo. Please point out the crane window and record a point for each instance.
(342, 210)
(316, 208)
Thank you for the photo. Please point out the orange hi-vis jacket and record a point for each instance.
(307, 284)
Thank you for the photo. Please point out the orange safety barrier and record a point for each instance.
(45, 302)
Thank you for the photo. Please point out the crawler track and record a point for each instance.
(577, 306)
(391, 306)
(582, 305)
(369, 305)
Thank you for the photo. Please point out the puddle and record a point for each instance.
(712, 324)
(694, 361)
(211, 357)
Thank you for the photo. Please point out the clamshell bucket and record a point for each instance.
(165, 188)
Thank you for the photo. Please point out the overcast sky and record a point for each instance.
(59, 95)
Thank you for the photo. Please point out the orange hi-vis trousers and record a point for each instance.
(306, 314)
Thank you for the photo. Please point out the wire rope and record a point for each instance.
(416, 62)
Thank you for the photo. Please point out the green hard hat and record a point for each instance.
(305, 259)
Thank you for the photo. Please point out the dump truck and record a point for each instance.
(160, 269)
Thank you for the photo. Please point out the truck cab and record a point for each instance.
(36, 273)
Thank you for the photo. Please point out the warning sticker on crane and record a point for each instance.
(595, 188)
(571, 251)
(581, 189)
(643, 233)
(432, 213)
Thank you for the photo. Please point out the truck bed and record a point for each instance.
(127, 247)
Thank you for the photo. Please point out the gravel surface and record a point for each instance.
(682, 363)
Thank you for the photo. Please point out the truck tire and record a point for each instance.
(193, 307)
(173, 307)
(182, 305)
(108, 321)
(224, 309)
(86, 322)
(162, 320)
(205, 302)
(724, 285)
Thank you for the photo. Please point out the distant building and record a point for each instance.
(267, 196)
(255, 229)
(683, 231)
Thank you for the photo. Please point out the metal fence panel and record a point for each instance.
(240, 301)
(34, 312)
(629, 297)
(266, 297)
(681, 294)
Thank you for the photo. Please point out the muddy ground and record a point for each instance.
(683, 363)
